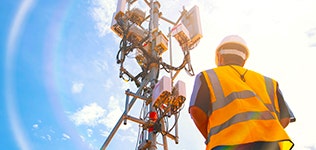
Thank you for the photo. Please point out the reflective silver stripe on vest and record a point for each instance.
(219, 94)
(241, 117)
(222, 101)
(270, 90)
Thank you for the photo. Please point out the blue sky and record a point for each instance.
(59, 78)
(45, 42)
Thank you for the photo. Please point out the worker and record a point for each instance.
(238, 109)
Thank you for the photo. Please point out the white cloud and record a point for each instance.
(101, 65)
(47, 137)
(130, 137)
(108, 84)
(101, 12)
(43, 137)
(52, 131)
(65, 136)
(83, 139)
(104, 133)
(115, 112)
(89, 132)
(77, 88)
(88, 115)
(35, 126)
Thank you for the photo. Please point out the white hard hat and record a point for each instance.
(232, 40)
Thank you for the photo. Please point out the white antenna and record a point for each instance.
(160, 97)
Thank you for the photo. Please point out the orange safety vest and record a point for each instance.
(243, 112)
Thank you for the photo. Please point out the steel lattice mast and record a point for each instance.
(161, 98)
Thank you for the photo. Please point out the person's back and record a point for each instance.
(235, 108)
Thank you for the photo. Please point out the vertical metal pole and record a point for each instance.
(126, 107)
(145, 132)
(176, 128)
(164, 137)
(154, 67)
(170, 55)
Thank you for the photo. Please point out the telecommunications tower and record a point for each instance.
(141, 35)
